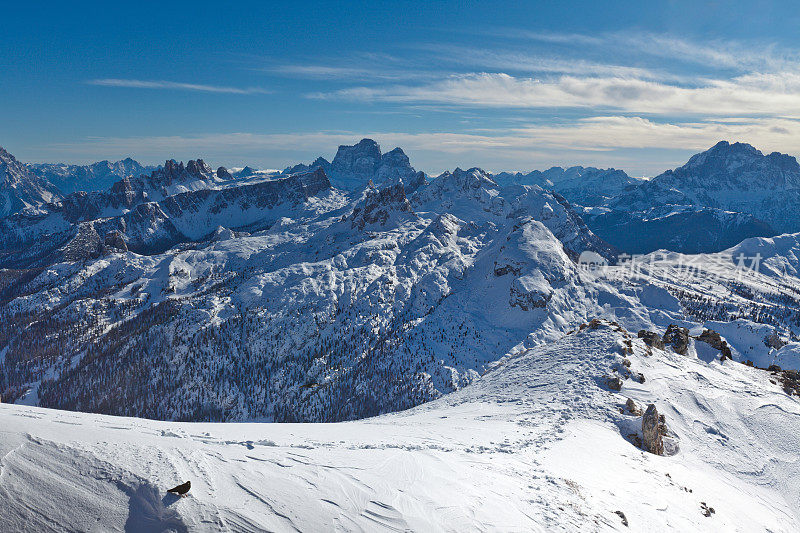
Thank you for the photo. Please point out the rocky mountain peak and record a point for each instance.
(174, 172)
(357, 163)
(198, 168)
(380, 206)
(11, 170)
(223, 173)
(738, 166)
(20, 189)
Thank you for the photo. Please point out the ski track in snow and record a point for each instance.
(536, 444)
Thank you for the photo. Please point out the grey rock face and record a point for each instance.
(614, 383)
(357, 162)
(632, 408)
(223, 173)
(114, 239)
(378, 206)
(678, 338)
(773, 340)
(651, 339)
(651, 432)
(713, 339)
(354, 166)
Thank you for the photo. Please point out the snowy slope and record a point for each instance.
(538, 444)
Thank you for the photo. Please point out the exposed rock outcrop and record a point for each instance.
(115, 240)
(380, 206)
(614, 383)
(678, 338)
(632, 408)
(713, 339)
(651, 431)
(651, 339)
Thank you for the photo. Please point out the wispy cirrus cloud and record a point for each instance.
(753, 94)
(173, 85)
(638, 45)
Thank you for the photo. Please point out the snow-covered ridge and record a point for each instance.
(191, 207)
(540, 443)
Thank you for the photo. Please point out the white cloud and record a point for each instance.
(172, 85)
(517, 61)
(715, 53)
(752, 94)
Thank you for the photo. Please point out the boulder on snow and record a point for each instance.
(632, 408)
(678, 338)
(614, 383)
(791, 382)
(651, 339)
(651, 431)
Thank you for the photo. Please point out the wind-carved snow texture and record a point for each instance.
(537, 444)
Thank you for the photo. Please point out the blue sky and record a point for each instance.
(502, 85)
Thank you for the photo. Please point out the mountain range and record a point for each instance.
(240, 295)
(94, 177)
(475, 330)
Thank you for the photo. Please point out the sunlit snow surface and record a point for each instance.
(536, 444)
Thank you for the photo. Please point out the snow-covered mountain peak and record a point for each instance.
(354, 166)
(97, 176)
(460, 182)
(11, 170)
(740, 165)
(381, 207)
(20, 189)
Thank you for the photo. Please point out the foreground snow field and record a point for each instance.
(537, 444)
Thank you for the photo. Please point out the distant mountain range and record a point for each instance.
(340, 290)
(95, 177)
(718, 198)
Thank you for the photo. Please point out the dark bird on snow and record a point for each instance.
(181, 489)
